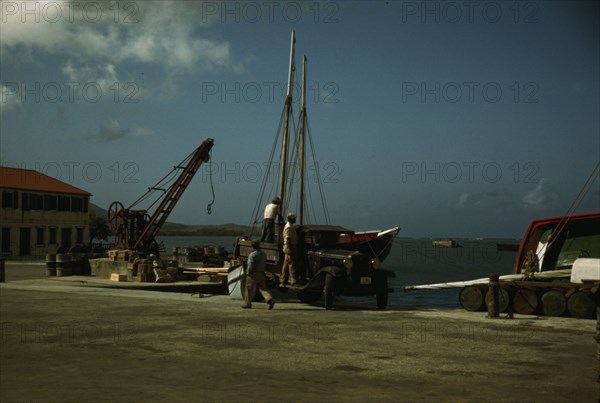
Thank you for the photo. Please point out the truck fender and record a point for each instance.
(317, 281)
(333, 270)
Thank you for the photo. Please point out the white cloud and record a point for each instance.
(496, 201)
(462, 199)
(9, 99)
(540, 197)
(163, 33)
(103, 76)
(113, 131)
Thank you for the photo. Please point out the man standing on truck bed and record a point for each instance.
(255, 276)
(272, 211)
(290, 243)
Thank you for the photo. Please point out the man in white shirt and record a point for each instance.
(271, 212)
(290, 243)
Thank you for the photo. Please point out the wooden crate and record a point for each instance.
(118, 277)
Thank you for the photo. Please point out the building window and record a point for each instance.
(76, 204)
(10, 199)
(52, 236)
(36, 201)
(39, 236)
(64, 203)
(79, 235)
(25, 201)
(32, 201)
(65, 237)
(49, 202)
(5, 241)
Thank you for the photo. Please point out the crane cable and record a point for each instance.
(212, 188)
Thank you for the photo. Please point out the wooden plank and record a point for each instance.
(206, 270)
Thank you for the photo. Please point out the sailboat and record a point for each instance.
(374, 245)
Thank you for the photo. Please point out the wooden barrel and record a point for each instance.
(503, 299)
(554, 303)
(50, 264)
(63, 264)
(471, 298)
(525, 301)
(581, 305)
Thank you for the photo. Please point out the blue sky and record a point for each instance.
(443, 118)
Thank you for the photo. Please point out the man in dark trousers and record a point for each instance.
(255, 277)
(272, 211)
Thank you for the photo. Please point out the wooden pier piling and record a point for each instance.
(493, 301)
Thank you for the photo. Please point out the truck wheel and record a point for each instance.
(328, 291)
(381, 292)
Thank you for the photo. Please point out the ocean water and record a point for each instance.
(415, 261)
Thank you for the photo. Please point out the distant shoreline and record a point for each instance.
(172, 229)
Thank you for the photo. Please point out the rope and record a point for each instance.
(578, 199)
(261, 193)
(318, 175)
(384, 248)
(562, 224)
(210, 176)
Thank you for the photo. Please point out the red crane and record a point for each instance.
(137, 229)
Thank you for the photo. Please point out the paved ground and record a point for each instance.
(73, 341)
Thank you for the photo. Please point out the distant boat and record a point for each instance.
(446, 243)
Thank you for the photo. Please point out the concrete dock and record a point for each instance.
(75, 340)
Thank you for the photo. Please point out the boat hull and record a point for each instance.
(375, 244)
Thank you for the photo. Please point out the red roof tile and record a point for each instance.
(27, 179)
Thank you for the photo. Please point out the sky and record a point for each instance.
(448, 119)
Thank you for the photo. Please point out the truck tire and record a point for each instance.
(381, 292)
(328, 291)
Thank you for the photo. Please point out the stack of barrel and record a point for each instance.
(530, 300)
(211, 255)
(68, 264)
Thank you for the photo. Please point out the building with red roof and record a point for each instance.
(39, 213)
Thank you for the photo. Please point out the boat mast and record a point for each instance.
(302, 130)
(286, 131)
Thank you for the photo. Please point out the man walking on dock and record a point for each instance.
(255, 271)
(290, 242)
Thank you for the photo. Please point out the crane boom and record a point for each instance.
(135, 229)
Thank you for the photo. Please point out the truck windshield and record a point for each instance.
(577, 240)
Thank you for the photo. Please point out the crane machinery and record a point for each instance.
(136, 229)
